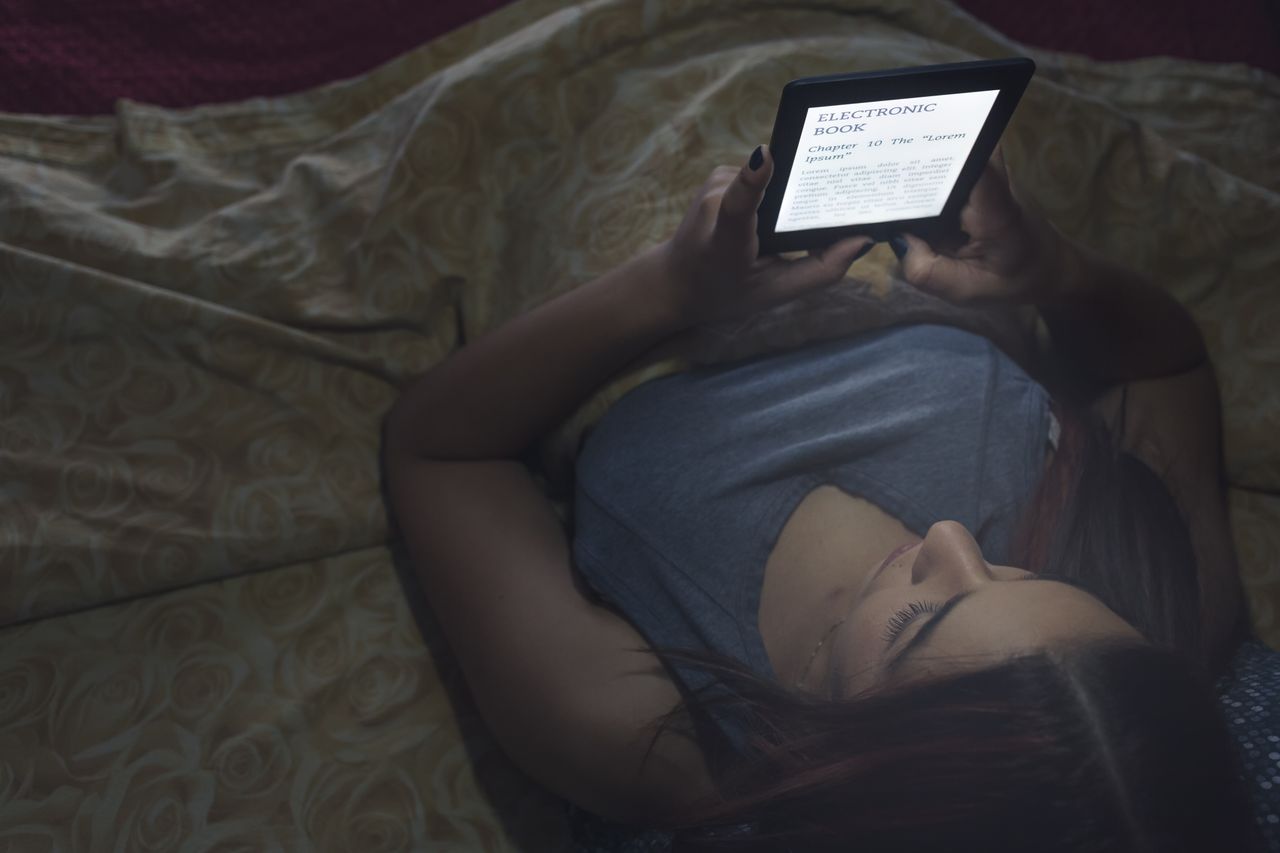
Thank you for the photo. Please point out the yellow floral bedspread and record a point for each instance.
(206, 640)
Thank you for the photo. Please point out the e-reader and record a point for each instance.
(882, 152)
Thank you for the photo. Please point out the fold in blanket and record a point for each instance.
(205, 313)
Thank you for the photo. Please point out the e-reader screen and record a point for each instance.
(880, 161)
(879, 153)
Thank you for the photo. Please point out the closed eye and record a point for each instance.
(904, 617)
(941, 613)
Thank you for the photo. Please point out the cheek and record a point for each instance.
(859, 670)
(865, 643)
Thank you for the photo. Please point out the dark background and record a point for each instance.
(78, 56)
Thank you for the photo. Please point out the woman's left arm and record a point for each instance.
(496, 396)
(566, 686)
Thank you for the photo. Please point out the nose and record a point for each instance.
(950, 553)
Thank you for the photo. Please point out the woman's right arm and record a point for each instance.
(1128, 343)
(1111, 331)
(1108, 324)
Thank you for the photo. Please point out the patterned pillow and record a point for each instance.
(1250, 695)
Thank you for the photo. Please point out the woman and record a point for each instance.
(806, 621)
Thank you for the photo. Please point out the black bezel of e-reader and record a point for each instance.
(1010, 76)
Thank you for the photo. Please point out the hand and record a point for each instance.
(713, 271)
(1011, 256)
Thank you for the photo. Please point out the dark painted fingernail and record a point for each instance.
(757, 157)
(864, 250)
(899, 246)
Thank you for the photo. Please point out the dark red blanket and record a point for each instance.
(78, 56)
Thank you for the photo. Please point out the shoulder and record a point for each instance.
(1173, 424)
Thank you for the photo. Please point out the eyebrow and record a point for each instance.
(932, 625)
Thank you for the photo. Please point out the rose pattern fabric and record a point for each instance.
(208, 641)
(299, 708)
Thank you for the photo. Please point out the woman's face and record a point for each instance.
(940, 606)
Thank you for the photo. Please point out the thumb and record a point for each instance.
(997, 160)
(744, 194)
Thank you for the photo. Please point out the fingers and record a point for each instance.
(822, 268)
(839, 256)
(743, 194)
(931, 272)
(1003, 166)
(991, 205)
(992, 190)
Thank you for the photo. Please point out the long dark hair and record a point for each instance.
(1103, 746)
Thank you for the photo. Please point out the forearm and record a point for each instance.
(1113, 325)
(495, 397)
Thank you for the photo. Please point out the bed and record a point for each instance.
(211, 639)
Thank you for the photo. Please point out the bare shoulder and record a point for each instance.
(1174, 425)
